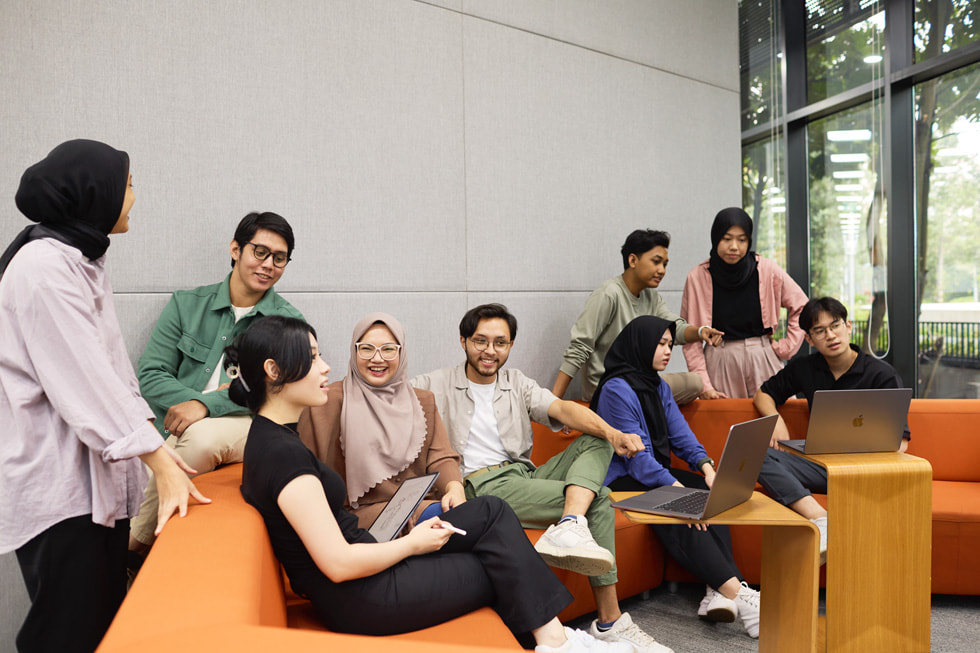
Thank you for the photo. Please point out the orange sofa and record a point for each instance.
(211, 583)
(946, 432)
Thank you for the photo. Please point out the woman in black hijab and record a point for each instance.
(632, 398)
(74, 426)
(740, 293)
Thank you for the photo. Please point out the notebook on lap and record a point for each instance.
(734, 482)
(855, 421)
(403, 503)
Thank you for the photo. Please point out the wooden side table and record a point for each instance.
(879, 539)
(790, 579)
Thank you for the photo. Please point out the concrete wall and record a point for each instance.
(429, 155)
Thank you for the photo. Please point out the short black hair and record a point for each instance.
(286, 340)
(823, 304)
(467, 326)
(642, 241)
(254, 221)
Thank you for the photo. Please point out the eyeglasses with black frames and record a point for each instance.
(261, 253)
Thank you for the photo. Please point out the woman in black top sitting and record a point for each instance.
(357, 585)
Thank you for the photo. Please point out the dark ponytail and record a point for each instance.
(285, 340)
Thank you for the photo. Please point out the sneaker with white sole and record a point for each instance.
(748, 601)
(624, 630)
(715, 606)
(569, 545)
(821, 523)
(580, 641)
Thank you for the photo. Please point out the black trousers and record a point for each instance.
(787, 478)
(75, 574)
(706, 554)
(493, 564)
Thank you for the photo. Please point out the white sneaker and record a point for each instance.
(624, 630)
(821, 523)
(715, 606)
(748, 601)
(570, 545)
(581, 642)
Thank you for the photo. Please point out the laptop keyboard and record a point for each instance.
(691, 503)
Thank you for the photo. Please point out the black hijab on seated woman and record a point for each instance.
(631, 357)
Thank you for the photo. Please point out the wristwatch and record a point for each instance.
(706, 459)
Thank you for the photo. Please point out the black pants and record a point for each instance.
(75, 574)
(493, 564)
(706, 554)
(787, 478)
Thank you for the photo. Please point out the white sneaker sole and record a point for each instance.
(587, 563)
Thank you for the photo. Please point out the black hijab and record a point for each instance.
(76, 194)
(631, 357)
(729, 276)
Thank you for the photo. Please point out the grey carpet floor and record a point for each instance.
(671, 618)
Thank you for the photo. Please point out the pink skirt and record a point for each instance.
(738, 367)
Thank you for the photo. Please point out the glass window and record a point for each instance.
(760, 61)
(947, 149)
(942, 26)
(845, 45)
(848, 221)
(763, 197)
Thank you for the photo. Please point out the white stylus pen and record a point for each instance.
(452, 528)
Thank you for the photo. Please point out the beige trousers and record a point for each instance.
(685, 386)
(205, 445)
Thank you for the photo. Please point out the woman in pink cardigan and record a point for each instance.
(751, 290)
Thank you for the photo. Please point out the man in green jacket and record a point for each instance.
(180, 372)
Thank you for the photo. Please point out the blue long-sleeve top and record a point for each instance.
(620, 407)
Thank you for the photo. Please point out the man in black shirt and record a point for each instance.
(837, 365)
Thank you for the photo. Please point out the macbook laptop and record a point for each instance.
(738, 470)
(855, 421)
(403, 503)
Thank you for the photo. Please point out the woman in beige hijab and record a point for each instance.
(377, 430)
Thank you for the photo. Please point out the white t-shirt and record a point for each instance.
(483, 446)
(215, 380)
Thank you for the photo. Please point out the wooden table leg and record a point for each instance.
(789, 588)
(878, 554)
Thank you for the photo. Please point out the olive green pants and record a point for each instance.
(538, 495)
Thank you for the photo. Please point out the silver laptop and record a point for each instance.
(855, 421)
(735, 478)
(403, 503)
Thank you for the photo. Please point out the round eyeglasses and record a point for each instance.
(481, 344)
(261, 253)
(366, 350)
(820, 333)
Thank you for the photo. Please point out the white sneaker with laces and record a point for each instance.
(624, 630)
(570, 545)
(715, 606)
(748, 601)
(581, 642)
(821, 523)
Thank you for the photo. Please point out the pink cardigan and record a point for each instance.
(776, 289)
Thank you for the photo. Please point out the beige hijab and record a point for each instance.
(382, 428)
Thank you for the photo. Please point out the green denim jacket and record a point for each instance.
(187, 343)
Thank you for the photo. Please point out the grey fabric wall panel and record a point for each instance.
(692, 38)
(13, 600)
(569, 150)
